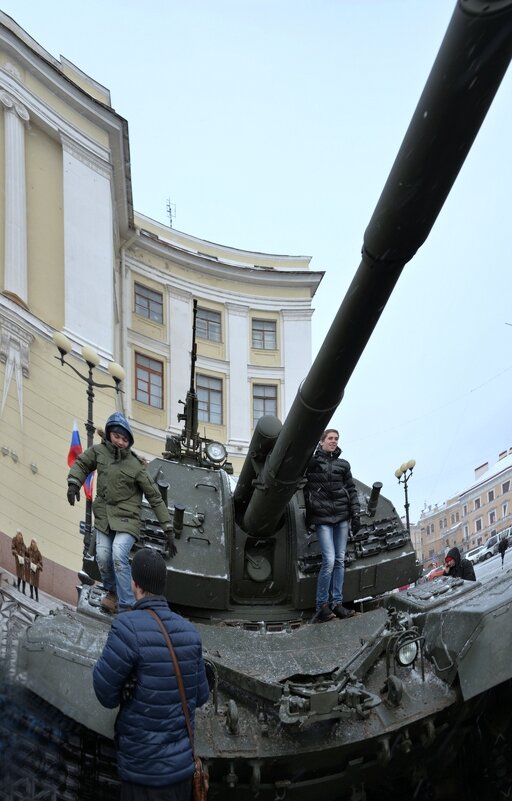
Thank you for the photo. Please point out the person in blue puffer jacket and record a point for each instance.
(136, 673)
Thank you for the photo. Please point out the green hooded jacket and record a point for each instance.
(122, 480)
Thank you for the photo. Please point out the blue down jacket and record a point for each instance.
(151, 736)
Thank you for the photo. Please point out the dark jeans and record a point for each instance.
(170, 792)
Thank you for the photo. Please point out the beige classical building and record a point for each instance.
(468, 519)
(75, 257)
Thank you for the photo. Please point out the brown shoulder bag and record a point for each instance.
(200, 780)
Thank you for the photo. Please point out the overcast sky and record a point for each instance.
(272, 125)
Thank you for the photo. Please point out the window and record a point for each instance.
(149, 381)
(264, 334)
(456, 517)
(466, 532)
(490, 496)
(505, 487)
(209, 395)
(478, 524)
(149, 303)
(208, 325)
(504, 509)
(264, 401)
(492, 517)
(477, 503)
(465, 510)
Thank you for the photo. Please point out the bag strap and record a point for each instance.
(179, 678)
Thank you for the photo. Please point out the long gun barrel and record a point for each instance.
(189, 434)
(468, 70)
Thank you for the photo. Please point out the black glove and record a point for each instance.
(356, 525)
(73, 492)
(171, 543)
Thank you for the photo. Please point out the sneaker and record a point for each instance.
(109, 603)
(342, 612)
(323, 614)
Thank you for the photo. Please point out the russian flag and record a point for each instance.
(75, 449)
(88, 486)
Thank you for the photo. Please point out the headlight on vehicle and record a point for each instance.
(216, 452)
(407, 653)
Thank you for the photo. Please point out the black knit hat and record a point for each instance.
(149, 571)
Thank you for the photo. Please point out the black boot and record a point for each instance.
(19, 582)
(37, 594)
(31, 591)
(23, 587)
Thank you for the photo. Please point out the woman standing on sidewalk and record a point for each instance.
(19, 551)
(35, 566)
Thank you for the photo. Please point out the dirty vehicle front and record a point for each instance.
(300, 709)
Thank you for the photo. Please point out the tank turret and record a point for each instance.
(299, 709)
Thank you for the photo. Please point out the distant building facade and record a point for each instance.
(469, 518)
(76, 257)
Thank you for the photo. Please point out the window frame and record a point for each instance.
(264, 398)
(272, 333)
(151, 302)
(202, 317)
(150, 385)
(211, 390)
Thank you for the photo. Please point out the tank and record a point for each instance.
(395, 692)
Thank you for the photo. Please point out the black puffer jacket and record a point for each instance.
(330, 492)
(462, 568)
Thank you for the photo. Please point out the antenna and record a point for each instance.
(171, 211)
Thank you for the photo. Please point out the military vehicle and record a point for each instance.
(400, 690)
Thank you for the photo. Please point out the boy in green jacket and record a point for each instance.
(122, 480)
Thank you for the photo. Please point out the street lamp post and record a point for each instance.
(403, 474)
(92, 360)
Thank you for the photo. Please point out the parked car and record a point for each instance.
(476, 555)
(435, 573)
(491, 544)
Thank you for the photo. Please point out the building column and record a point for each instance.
(16, 118)
(296, 351)
(239, 414)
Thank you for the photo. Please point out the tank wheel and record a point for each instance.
(232, 717)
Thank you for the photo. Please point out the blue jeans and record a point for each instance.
(112, 557)
(333, 542)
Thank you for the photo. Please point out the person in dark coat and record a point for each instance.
(33, 568)
(19, 551)
(122, 480)
(457, 567)
(502, 547)
(331, 506)
(135, 672)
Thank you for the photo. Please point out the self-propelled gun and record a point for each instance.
(297, 708)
